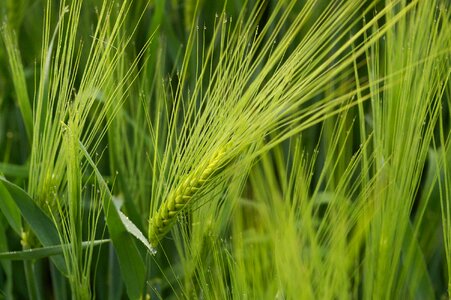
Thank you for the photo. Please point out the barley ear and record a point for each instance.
(182, 196)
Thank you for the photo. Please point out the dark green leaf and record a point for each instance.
(59, 284)
(115, 286)
(5, 264)
(132, 264)
(39, 222)
(13, 170)
(10, 210)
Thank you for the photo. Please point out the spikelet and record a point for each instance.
(180, 197)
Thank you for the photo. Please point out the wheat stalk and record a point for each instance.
(182, 195)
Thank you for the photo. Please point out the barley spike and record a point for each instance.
(180, 197)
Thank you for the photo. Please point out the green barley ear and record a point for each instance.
(181, 196)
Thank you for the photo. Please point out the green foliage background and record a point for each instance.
(174, 149)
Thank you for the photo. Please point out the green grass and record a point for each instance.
(227, 150)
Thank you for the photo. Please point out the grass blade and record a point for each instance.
(10, 210)
(132, 264)
(13, 170)
(38, 253)
(38, 221)
(19, 81)
(7, 266)
(420, 284)
(59, 284)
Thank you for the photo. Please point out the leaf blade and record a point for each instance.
(39, 253)
(10, 210)
(131, 263)
(39, 222)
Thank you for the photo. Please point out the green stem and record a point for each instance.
(59, 283)
(33, 290)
